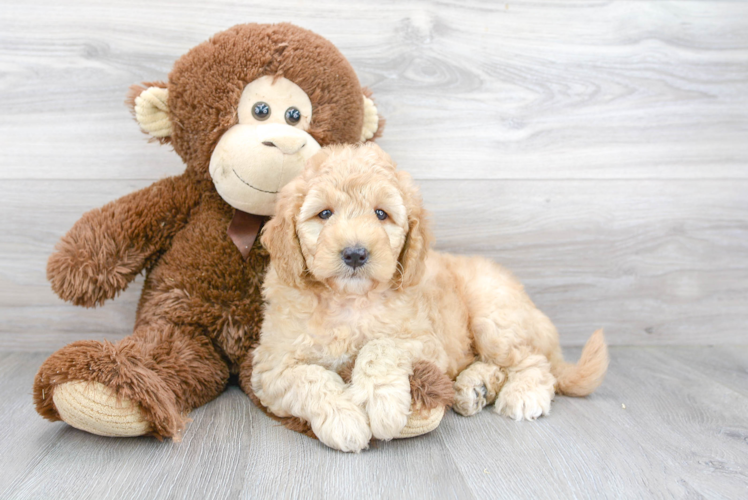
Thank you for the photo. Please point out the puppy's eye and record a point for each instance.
(381, 214)
(293, 116)
(325, 214)
(261, 111)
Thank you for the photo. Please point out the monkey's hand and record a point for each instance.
(104, 251)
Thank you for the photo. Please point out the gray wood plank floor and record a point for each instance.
(682, 434)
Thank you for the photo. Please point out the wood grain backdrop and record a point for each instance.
(598, 149)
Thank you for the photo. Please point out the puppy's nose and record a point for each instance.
(287, 144)
(355, 256)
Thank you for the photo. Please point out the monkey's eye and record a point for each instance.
(381, 214)
(325, 214)
(261, 111)
(293, 116)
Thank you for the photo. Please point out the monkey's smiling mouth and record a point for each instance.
(250, 185)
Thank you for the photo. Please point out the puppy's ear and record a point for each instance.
(280, 239)
(418, 240)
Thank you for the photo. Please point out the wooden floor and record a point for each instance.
(682, 434)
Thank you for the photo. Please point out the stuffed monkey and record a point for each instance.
(244, 110)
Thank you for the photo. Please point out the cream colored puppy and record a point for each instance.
(352, 277)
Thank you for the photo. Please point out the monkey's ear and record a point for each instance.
(373, 123)
(149, 104)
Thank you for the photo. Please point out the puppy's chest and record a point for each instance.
(341, 330)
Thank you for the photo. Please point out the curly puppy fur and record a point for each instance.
(405, 304)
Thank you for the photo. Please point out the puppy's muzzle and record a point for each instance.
(354, 256)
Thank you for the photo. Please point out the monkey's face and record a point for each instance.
(269, 146)
(238, 109)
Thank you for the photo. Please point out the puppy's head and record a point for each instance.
(349, 221)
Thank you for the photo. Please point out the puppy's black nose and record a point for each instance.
(355, 256)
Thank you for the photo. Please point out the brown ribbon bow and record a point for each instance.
(243, 230)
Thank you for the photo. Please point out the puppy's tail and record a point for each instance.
(587, 375)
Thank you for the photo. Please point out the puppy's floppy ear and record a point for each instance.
(418, 240)
(279, 235)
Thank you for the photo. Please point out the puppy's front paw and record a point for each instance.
(388, 409)
(343, 427)
(520, 400)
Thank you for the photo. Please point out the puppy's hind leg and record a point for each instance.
(529, 387)
(477, 386)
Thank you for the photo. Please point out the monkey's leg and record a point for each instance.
(431, 393)
(144, 384)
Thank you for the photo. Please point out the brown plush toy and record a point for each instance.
(244, 110)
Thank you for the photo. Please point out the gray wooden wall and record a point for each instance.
(598, 149)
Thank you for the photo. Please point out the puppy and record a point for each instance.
(352, 277)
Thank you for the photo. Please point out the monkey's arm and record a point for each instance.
(104, 251)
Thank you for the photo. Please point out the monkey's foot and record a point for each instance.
(95, 408)
(422, 422)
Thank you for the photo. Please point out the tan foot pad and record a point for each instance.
(93, 407)
(422, 422)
